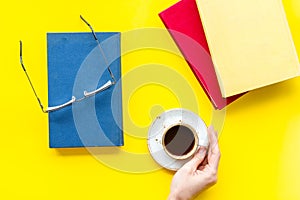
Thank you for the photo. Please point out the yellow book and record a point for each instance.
(250, 43)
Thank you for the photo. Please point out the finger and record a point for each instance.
(197, 159)
(213, 151)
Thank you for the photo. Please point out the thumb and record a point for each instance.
(197, 159)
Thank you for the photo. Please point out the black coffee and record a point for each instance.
(179, 140)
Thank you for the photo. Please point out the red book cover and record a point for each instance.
(184, 24)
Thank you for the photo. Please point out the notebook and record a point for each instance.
(184, 24)
(250, 43)
(75, 64)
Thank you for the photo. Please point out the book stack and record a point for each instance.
(233, 46)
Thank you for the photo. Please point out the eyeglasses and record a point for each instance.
(86, 94)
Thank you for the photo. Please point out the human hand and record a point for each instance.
(199, 173)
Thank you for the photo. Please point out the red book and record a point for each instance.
(184, 24)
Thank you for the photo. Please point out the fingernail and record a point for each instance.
(202, 150)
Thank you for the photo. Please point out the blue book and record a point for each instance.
(77, 66)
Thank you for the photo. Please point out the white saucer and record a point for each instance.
(163, 123)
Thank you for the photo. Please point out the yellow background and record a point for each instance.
(260, 140)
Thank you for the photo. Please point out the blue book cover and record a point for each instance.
(77, 65)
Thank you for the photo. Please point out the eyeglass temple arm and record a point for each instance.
(102, 52)
(28, 78)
